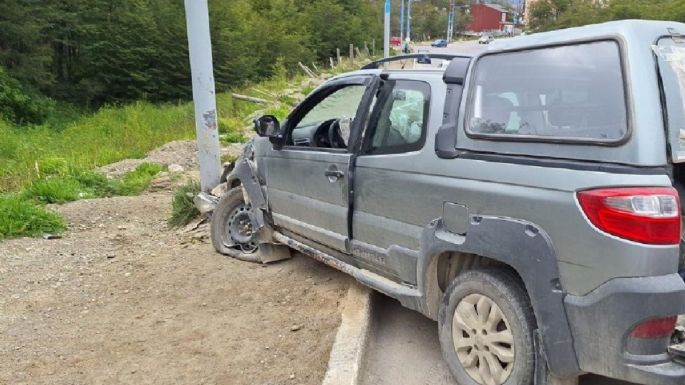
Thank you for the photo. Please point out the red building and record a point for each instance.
(487, 17)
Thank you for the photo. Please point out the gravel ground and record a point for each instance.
(122, 299)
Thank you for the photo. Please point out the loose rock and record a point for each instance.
(176, 168)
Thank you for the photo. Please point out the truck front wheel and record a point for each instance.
(231, 230)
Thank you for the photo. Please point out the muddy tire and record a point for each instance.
(231, 229)
(486, 327)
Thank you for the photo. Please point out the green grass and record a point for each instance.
(113, 133)
(183, 210)
(23, 213)
(288, 100)
(110, 135)
(53, 162)
(56, 190)
(307, 90)
(228, 158)
(280, 112)
(79, 184)
(138, 180)
(20, 217)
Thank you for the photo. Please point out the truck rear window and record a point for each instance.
(573, 92)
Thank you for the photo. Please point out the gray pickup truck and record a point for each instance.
(526, 198)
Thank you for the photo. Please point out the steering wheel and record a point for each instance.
(335, 137)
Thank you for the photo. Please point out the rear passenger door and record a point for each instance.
(385, 232)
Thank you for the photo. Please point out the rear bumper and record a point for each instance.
(602, 320)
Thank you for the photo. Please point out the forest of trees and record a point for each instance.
(88, 53)
(93, 52)
(555, 14)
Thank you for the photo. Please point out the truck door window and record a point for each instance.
(335, 111)
(400, 120)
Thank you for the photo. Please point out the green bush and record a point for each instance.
(19, 217)
(19, 106)
(183, 210)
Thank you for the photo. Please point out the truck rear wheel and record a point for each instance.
(486, 329)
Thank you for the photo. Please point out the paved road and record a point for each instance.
(404, 349)
(463, 47)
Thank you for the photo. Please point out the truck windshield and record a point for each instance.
(670, 52)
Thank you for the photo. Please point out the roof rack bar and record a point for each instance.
(376, 64)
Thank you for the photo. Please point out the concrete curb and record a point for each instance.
(347, 355)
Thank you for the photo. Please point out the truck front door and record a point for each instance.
(307, 180)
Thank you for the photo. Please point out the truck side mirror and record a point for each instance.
(269, 127)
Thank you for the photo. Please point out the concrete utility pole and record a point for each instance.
(386, 33)
(206, 126)
(401, 20)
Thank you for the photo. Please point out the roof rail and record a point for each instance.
(376, 64)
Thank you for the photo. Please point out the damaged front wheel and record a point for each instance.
(232, 229)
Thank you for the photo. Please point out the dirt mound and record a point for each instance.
(180, 152)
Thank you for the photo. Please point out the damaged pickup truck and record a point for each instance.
(527, 198)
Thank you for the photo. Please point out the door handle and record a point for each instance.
(333, 174)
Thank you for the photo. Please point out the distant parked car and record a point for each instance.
(440, 43)
(424, 59)
(486, 39)
(395, 41)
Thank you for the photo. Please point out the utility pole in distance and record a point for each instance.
(409, 20)
(450, 22)
(206, 120)
(386, 29)
(402, 20)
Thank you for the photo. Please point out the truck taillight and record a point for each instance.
(648, 215)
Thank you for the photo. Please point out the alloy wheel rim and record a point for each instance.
(483, 340)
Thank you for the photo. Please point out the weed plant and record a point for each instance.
(183, 210)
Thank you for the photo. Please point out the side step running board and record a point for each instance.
(365, 277)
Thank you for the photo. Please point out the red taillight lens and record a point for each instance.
(656, 328)
(648, 215)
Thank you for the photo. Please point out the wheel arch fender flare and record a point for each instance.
(245, 171)
(527, 249)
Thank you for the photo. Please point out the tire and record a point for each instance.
(230, 205)
(474, 293)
